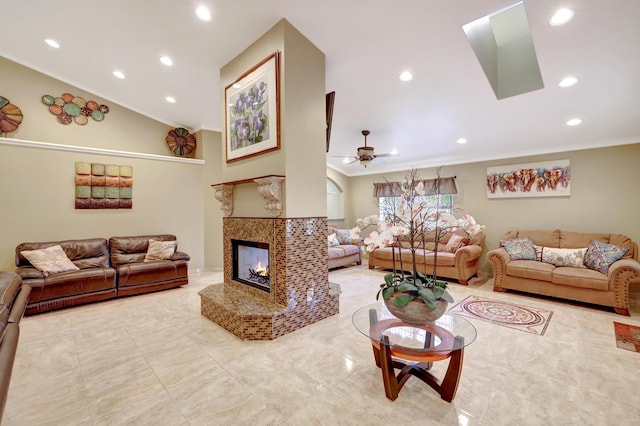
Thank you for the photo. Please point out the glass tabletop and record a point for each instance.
(449, 332)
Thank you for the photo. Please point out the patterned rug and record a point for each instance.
(627, 336)
(518, 317)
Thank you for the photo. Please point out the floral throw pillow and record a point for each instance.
(564, 257)
(456, 242)
(332, 240)
(519, 248)
(600, 256)
(344, 236)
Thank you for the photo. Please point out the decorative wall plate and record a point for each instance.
(10, 116)
(181, 142)
(69, 108)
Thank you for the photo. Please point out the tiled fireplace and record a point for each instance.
(293, 292)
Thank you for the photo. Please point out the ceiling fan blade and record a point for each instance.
(384, 155)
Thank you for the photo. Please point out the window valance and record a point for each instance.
(432, 187)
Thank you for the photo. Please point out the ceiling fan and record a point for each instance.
(365, 154)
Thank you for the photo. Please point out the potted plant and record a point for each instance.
(412, 295)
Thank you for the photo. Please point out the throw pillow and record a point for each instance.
(520, 248)
(160, 250)
(344, 236)
(538, 252)
(564, 257)
(600, 256)
(50, 260)
(455, 242)
(332, 240)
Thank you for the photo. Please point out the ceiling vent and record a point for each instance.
(504, 47)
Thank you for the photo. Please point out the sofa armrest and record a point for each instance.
(498, 258)
(180, 255)
(468, 253)
(622, 273)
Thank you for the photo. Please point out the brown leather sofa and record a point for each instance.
(572, 283)
(135, 276)
(461, 265)
(96, 279)
(13, 301)
(108, 269)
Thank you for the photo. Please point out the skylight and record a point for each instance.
(504, 47)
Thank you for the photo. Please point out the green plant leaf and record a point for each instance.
(446, 296)
(388, 279)
(438, 292)
(387, 292)
(406, 286)
(430, 303)
(403, 299)
(427, 294)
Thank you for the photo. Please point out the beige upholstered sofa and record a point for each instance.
(460, 265)
(346, 253)
(574, 283)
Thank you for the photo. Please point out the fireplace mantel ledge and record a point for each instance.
(269, 187)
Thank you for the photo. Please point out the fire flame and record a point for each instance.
(261, 270)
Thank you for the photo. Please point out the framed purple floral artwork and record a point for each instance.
(252, 113)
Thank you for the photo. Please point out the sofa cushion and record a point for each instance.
(600, 255)
(50, 260)
(580, 277)
(530, 269)
(541, 238)
(343, 236)
(349, 249)
(335, 252)
(572, 257)
(160, 250)
(133, 249)
(444, 258)
(141, 274)
(520, 248)
(332, 240)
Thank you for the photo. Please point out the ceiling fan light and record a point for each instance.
(365, 163)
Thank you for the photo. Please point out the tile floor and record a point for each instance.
(154, 360)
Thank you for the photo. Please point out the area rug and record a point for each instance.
(518, 317)
(627, 336)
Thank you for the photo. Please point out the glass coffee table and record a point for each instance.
(414, 348)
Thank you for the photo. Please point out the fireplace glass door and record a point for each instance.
(251, 263)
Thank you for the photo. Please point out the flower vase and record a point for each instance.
(416, 311)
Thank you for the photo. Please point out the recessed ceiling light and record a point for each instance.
(406, 76)
(237, 85)
(568, 81)
(171, 99)
(561, 17)
(52, 43)
(118, 74)
(166, 60)
(461, 141)
(203, 13)
(574, 122)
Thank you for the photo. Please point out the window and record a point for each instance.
(442, 202)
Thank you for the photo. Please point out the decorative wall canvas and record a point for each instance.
(543, 179)
(103, 186)
(74, 109)
(253, 111)
(181, 142)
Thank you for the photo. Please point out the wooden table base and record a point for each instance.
(393, 383)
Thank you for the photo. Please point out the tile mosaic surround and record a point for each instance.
(297, 262)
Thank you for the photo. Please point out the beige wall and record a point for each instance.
(37, 184)
(603, 195)
(344, 183)
(213, 155)
(301, 157)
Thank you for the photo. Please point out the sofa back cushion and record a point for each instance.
(569, 239)
(86, 253)
(132, 249)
